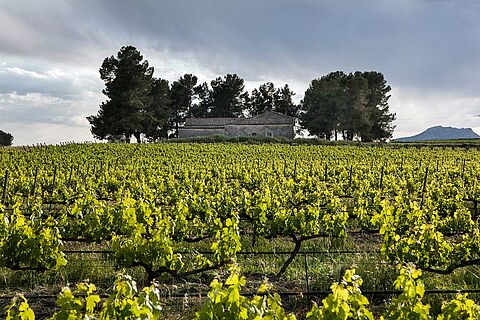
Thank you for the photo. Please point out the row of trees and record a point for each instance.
(139, 104)
(6, 138)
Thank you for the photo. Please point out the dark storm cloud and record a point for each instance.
(425, 48)
(433, 43)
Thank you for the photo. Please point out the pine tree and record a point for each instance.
(160, 114)
(355, 105)
(284, 103)
(263, 99)
(182, 95)
(228, 97)
(128, 84)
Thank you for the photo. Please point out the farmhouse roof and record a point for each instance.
(270, 117)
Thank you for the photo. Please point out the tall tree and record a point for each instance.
(267, 98)
(6, 139)
(353, 117)
(128, 80)
(377, 107)
(284, 103)
(263, 99)
(201, 108)
(228, 97)
(182, 95)
(324, 99)
(159, 113)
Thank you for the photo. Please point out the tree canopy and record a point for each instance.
(181, 94)
(6, 139)
(263, 99)
(128, 87)
(202, 108)
(268, 98)
(284, 103)
(228, 97)
(355, 105)
(158, 120)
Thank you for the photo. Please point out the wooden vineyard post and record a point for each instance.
(86, 174)
(35, 182)
(305, 262)
(100, 171)
(70, 175)
(381, 180)
(326, 171)
(79, 175)
(424, 187)
(54, 179)
(53, 187)
(295, 171)
(5, 185)
(350, 178)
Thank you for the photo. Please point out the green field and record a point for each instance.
(183, 214)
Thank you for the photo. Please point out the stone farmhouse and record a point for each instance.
(268, 124)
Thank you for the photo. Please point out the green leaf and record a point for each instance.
(91, 302)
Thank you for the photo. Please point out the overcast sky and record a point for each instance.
(50, 53)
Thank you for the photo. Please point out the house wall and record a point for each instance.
(271, 130)
(199, 132)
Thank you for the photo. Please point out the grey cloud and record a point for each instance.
(421, 42)
(37, 94)
(426, 42)
(35, 107)
(22, 81)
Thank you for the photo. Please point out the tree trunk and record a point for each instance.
(137, 136)
(298, 245)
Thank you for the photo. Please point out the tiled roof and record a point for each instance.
(264, 118)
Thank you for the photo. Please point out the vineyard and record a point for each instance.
(195, 218)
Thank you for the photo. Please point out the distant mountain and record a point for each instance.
(442, 133)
